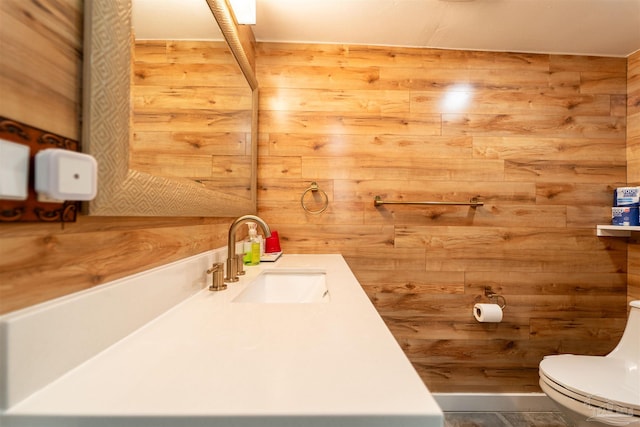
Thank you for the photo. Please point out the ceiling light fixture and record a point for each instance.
(244, 11)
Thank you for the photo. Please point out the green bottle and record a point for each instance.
(252, 250)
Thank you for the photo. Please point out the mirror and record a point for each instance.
(127, 185)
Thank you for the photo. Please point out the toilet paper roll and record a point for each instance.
(487, 313)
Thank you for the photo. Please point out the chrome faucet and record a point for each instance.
(234, 260)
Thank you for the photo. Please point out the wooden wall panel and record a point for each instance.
(40, 84)
(48, 261)
(191, 113)
(633, 162)
(540, 138)
(40, 70)
(553, 154)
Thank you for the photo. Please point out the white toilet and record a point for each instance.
(598, 391)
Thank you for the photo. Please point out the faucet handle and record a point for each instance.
(232, 267)
(217, 269)
(240, 265)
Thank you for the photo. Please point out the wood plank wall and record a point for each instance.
(40, 70)
(366, 121)
(192, 114)
(633, 165)
(40, 83)
(539, 138)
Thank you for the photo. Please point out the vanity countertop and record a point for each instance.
(210, 361)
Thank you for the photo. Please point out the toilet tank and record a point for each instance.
(629, 346)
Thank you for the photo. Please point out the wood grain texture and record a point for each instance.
(42, 263)
(107, 126)
(192, 114)
(540, 139)
(39, 262)
(42, 45)
(530, 242)
(633, 164)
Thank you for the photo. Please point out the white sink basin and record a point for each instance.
(286, 286)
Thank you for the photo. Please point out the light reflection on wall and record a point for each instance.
(457, 98)
(278, 103)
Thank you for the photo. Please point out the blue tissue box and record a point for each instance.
(626, 196)
(625, 215)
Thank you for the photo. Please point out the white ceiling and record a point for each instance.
(173, 20)
(583, 27)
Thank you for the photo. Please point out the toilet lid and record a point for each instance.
(598, 379)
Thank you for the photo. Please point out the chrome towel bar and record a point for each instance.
(473, 202)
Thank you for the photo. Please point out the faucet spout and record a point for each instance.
(232, 258)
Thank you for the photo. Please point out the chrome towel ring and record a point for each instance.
(313, 188)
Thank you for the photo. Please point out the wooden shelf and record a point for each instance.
(615, 230)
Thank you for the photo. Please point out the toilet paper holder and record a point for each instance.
(500, 300)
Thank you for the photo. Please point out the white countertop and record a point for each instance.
(210, 361)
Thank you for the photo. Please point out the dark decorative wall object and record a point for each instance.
(32, 209)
